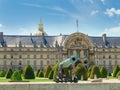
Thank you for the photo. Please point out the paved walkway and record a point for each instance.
(81, 82)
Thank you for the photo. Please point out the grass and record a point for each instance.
(3, 79)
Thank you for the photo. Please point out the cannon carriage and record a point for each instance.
(68, 64)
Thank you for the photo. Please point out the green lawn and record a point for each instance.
(3, 79)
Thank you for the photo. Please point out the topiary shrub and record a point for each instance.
(55, 69)
(16, 76)
(9, 73)
(47, 71)
(28, 72)
(2, 73)
(95, 71)
(109, 74)
(89, 71)
(41, 74)
(51, 74)
(79, 71)
(38, 71)
(103, 72)
(115, 70)
(118, 74)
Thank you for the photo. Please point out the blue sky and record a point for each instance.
(95, 17)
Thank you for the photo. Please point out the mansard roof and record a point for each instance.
(13, 40)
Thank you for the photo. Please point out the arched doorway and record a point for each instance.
(79, 45)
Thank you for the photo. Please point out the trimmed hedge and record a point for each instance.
(47, 71)
(38, 71)
(118, 74)
(28, 72)
(79, 71)
(95, 71)
(41, 74)
(115, 70)
(55, 68)
(9, 73)
(2, 73)
(51, 74)
(16, 76)
(103, 72)
(89, 71)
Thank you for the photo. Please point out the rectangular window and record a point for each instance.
(78, 53)
(20, 56)
(34, 56)
(28, 56)
(34, 62)
(41, 63)
(5, 56)
(4, 62)
(47, 56)
(104, 63)
(41, 56)
(28, 62)
(48, 62)
(11, 56)
(56, 56)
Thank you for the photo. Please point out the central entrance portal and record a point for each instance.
(79, 45)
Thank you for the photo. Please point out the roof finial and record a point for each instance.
(77, 25)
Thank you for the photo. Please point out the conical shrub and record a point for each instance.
(28, 72)
(95, 72)
(55, 68)
(115, 70)
(2, 73)
(38, 71)
(16, 76)
(41, 74)
(47, 71)
(80, 71)
(89, 71)
(51, 74)
(103, 72)
(118, 74)
(9, 73)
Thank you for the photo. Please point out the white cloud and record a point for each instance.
(112, 11)
(103, 1)
(94, 12)
(91, 1)
(1, 25)
(114, 31)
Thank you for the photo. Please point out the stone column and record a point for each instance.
(74, 52)
(82, 56)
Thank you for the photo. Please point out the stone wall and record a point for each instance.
(59, 86)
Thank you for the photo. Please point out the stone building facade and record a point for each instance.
(41, 50)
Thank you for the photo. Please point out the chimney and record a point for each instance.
(1, 35)
(104, 38)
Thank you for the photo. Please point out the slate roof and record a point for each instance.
(12, 40)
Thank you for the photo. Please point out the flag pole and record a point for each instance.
(77, 25)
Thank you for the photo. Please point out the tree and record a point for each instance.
(80, 71)
(2, 73)
(28, 72)
(51, 74)
(55, 69)
(16, 76)
(89, 71)
(118, 74)
(38, 71)
(41, 74)
(95, 71)
(115, 70)
(9, 73)
(47, 71)
(103, 72)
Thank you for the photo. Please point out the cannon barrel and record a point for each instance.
(67, 62)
